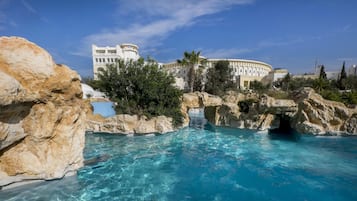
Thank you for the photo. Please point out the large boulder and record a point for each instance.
(319, 116)
(42, 115)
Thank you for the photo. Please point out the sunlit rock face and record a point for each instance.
(319, 116)
(250, 111)
(42, 115)
(129, 124)
(307, 112)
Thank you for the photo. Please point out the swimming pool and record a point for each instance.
(207, 164)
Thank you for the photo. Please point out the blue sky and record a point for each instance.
(290, 34)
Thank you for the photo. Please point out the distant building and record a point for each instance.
(352, 71)
(244, 71)
(109, 55)
(275, 75)
(331, 75)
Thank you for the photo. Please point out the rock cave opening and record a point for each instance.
(284, 131)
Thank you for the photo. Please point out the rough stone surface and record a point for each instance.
(307, 113)
(42, 115)
(319, 116)
(129, 124)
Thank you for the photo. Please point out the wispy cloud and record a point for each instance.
(167, 16)
(3, 17)
(29, 7)
(234, 52)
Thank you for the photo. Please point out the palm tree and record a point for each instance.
(192, 61)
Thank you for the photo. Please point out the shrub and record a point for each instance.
(141, 88)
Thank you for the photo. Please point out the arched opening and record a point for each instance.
(284, 131)
(197, 118)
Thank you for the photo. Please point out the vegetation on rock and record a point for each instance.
(140, 87)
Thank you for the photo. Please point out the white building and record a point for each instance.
(275, 75)
(352, 71)
(244, 71)
(109, 55)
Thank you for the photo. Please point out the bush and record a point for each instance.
(141, 88)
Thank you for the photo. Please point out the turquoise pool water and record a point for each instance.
(207, 164)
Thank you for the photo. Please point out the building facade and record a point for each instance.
(244, 71)
(102, 56)
(275, 75)
(352, 71)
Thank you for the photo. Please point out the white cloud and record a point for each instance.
(167, 16)
(28, 6)
(3, 17)
(234, 52)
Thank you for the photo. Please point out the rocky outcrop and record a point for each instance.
(134, 124)
(129, 124)
(307, 113)
(250, 111)
(319, 116)
(42, 115)
(197, 100)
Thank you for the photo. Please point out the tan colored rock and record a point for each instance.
(130, 124)
(42, 115)
(319, 116)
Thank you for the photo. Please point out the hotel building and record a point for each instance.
(244, 71)
(109, 55)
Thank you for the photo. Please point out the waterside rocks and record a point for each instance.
(319, 116)
(308, 112)
(250, 111)
(129, 124)
(42, 115)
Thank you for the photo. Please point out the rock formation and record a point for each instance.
(319, 116)
(129, 124)
(42, 115)
(307, 113)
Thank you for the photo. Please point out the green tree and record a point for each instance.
(91, 82)
(322, 73)
(320, 84)
(258, 86)
(141, 88)
(285, 82)
(341, 82)
(192, 61)
(219, 78)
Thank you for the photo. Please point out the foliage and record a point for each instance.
(259, 86)
(219, 78)
(285, 82)
(320, 84)
(91, 82)
(278, 94)
(351, 82)
(342, 80)
(322, 73)
(141, 88)
(191, 60)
